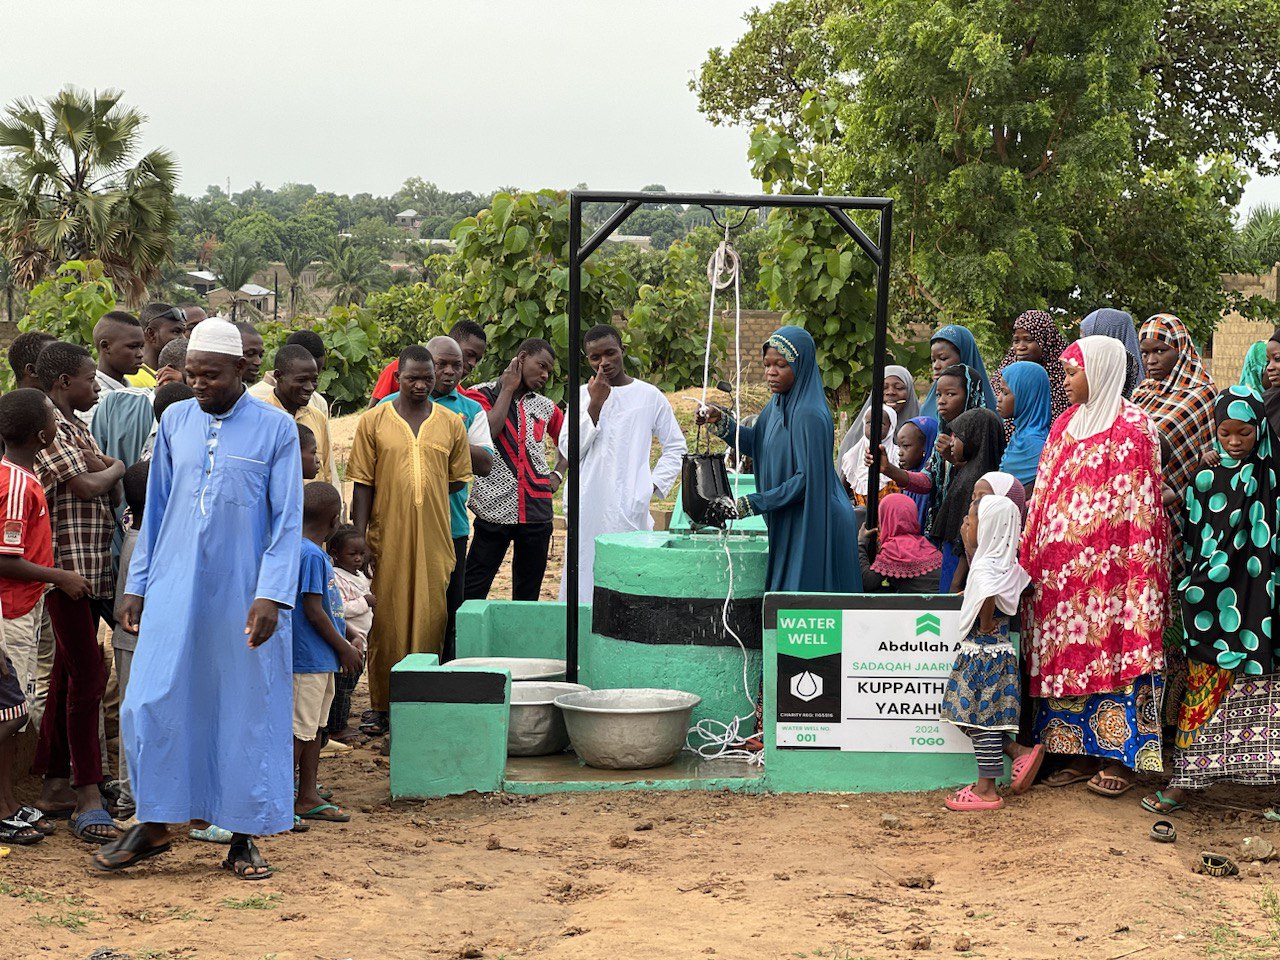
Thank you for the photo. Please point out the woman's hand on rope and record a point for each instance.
(708, 415)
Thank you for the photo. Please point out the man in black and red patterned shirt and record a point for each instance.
(513, 503)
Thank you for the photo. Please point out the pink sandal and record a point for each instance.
(965, 800)
(1025, 769)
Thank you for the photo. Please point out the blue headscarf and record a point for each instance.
(963, 341)
(810, 520)
(1118, 325)
(1029, 384)
(929, 427)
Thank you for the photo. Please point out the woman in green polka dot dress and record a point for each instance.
(1229, 719)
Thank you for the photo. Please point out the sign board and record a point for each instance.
(865, 673)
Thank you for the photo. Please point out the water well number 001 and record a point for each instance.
(867, 680)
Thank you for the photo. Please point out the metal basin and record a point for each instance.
(629, 728)
(522, 668)
(537, 725)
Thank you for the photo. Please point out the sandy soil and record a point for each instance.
(631, 876)
(636, 876)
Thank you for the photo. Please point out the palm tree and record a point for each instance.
(78, 194)
(296, 255)
(234, 265)
(348, 271)
(1259, 238)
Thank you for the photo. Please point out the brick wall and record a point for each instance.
(757, 325)
(1234, 335)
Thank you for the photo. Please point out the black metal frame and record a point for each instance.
(630, 202)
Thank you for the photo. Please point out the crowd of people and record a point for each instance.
(1102, 498)
(1100, 501)
(166, 487)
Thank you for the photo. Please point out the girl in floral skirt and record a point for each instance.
(983, 690)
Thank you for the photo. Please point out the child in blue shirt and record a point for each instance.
(320, 648)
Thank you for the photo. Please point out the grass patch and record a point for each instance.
(266, 901)
(73, 920)
(1227, 943)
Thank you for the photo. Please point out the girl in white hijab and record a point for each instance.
(853, 465)
(899, 393)
(982, 695)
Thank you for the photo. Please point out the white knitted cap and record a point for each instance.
(216, 335)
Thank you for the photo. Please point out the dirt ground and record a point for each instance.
(634, 876)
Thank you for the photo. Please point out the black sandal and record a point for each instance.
(244, 855)
(133, 843)
(378, 726)
(19, 833)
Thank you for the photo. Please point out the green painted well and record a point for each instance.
(663, 564)
(514, 628)
(443, 749)
(670, 564)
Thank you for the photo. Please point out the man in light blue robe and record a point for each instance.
(207, 718)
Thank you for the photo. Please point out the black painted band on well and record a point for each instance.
(675, 621)
(448, 686)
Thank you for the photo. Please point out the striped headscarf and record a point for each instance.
(1181, 405)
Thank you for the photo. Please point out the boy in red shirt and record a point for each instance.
(27, 426)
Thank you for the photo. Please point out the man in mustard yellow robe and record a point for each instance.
(408, 456)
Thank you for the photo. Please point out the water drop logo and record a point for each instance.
(806, 686)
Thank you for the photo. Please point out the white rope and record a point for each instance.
(719, 741)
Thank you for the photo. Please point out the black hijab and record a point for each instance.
(982, 433)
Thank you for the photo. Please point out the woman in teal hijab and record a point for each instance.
(949, 343)
(1255, 366)
(1025, 398)
(812, 536)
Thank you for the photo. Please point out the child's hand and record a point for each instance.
(371, 600)
(1211, 458)
(350, 660)
(1168, 496)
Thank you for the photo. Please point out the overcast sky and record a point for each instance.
(357, 97)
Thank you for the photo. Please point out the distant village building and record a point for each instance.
(644, 243)
(409, 220)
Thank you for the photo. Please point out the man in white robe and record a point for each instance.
(621, 416)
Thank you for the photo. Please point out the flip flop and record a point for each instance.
(1025, 769)
(132, 843)
(1169, 806)
(97, 817)
(298, 825)
(322, 813)
(1066, 777)
(211, 834)
(965, 800)
(1102, 791)
(1217, 864)
(1162, 831)
(244, 855)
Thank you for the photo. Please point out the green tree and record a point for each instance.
(349, 271)
(1258, 239)
(234, 265)
(510, 273)
(302, 238)
(259, 229)
(81, 195)
(68, 304)
(1022, 143)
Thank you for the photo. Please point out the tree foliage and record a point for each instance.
(69, 303)
(79, 192)
(1038, 155)
(355, 342)
(510, 273)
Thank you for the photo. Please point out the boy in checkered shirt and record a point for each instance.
(27, 426)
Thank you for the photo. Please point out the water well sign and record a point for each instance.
(866, 673)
